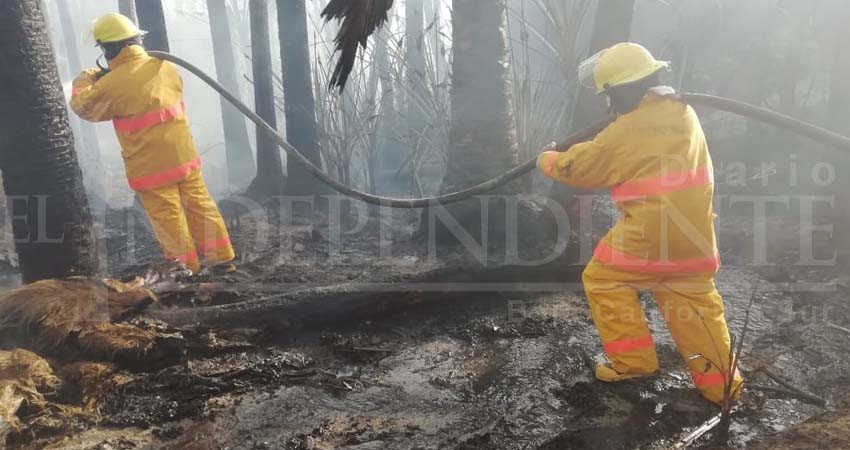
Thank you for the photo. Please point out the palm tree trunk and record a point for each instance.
(51, 220)
(414, 59)
(434, 19)
(269, 179)
(128, 8)
(237, 147)
(152, 19)
(89, 146)
(612, 25)
(388, 154)
(482, 138)
(373, 100)
(300, 107)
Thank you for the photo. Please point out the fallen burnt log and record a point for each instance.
(345, 302)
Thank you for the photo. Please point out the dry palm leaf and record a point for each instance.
(24, 379)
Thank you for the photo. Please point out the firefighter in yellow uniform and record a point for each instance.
(655, 161)
(143, 97)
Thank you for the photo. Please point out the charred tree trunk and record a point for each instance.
(269, 179)
(482, 138)
(128, 8)
(237, 146)
(152, 19)
(433, 34)
(482, 141)
(317, 307)
(387, 151)
(414, 50)
(51, 218)
(414, 58)
(373, 98)
(612, 24)
(89, 147)
(299, 104)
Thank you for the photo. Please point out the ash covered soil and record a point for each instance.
(461, 370)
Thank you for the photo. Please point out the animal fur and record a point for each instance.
(106, 341)
(85, 383)
(78, 315)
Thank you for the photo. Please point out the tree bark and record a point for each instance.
(433, 18)
(482, 140)
(482, 137)
(152, 19)
(612, 25)
(50, 214)
(269, 179)
(316, 307)
(299, 104)
(414, 59)
(128, 8)
(373, 99)
(387, 143)
(237, 146)
(414, 49)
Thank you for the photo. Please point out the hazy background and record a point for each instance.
(773, 53)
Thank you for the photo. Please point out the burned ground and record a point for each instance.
(456, 369)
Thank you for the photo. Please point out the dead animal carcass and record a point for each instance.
(77, 317)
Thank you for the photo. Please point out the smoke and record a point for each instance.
(189, 34)
(66, 89)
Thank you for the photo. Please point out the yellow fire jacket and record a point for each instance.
(655, 160)
(143, 97)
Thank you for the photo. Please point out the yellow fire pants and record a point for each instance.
(187, 222)
(689, 303)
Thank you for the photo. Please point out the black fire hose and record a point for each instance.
(816, 133)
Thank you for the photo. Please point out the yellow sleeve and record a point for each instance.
(89, 98)
(588, 165)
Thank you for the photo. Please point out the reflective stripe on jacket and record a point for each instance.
(655, 160)
(143, 97)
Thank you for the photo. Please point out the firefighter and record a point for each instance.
(143, 97)
(655, 161)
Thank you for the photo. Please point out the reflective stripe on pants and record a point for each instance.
(691, 307)
(610, 256)
(182, 215)
(628, 345)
